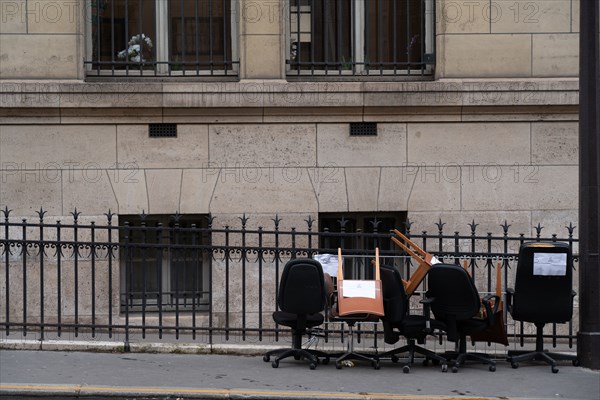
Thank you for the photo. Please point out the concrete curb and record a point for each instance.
(19, 391)
(150, 347)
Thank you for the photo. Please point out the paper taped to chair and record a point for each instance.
(329, 262)
(358, 288)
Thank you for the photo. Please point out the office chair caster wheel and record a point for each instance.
(576, 363)
(338, 365)
(425, 362)
(492, 368)
(406, 369)
(395, 359)
(275, 363)
(454, 369)
(514, 365)
(375, 364)
(312, 365)
(444, 367)
(554, 369)
(266, 358)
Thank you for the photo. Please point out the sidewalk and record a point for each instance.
(58, 374)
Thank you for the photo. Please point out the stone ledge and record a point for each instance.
(283, 94)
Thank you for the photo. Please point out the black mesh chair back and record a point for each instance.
(302, 288)
(456, 302)
(543, 293)
(302, 298)
(543, 284)
(398, 321)
(456, 297)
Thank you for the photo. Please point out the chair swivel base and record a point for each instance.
(413, 349)
(460, 358)
(313, 356)
(517, 356)
(352, 355)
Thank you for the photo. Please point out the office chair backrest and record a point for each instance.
(395, 301)
(455, 294)
(302, 287)
(543, 283)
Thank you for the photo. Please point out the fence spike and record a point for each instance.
(41, 214)
(244, 220)
(571, 228)
(276, 221)
(505, 227)
(473, 227)
(538, 229)
(75, 215)
(440, 225)
(309, 222)
(109, 215)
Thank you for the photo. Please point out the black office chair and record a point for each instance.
(301, 299)
(543, 293)
(456, 302)
(398, 322)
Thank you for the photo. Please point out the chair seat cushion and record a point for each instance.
(414, 325)
(472, 325)
(290, 320)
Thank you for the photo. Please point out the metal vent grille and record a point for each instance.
(162, 130)
(363, 129)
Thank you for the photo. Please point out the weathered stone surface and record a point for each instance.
(555, 143)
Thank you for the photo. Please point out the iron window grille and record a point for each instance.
(361, 38)
(347, 231)
(162, 268)
(145, 38)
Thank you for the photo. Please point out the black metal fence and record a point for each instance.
(192, 277)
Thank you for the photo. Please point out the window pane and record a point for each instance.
(200, 36)
(123, 33)
(394, 34)
(321, 34)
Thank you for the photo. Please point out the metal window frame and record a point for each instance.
(163, 66)
(359, 70)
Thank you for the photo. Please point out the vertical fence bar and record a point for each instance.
(144, 248)
(58, 279)
(109, 255)
(195, 268)
(127, 234)
(41, 250)
(277, 258)
(226, 254)
(260, 282)
(159, 280)
(175, 254)
(24, 253)
(76, 269)
(6, 250)
(243, 255)
(93, 280)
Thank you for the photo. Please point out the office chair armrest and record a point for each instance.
(510, 292)
(488, 308)
(426, 301)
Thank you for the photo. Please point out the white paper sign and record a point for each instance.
(329, 263)
(354, 288)
(550, 264)
(434, 260)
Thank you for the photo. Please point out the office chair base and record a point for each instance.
(351, 355)
(413, 349)
(515, 357)
(313, 356)
(460, 359)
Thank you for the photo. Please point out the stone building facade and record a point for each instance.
(486, 131)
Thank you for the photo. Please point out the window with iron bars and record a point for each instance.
(361, 37)
(161, 38)
(163, 267)
(338, 230)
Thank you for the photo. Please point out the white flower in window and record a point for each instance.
(139, 49)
